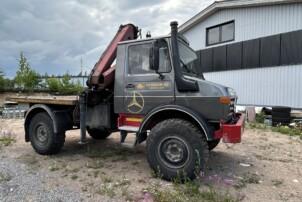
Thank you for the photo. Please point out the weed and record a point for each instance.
(248, 178)
(96, 173)
(4, 177)
(54, 167)
(96, 164)
(123, 182)
(117, 152)
(84, 188)
(107, 189)
(141, 181)
(6, 138)
(134, 163)
(288, 131)
(107, 179)
(74, 177)
(291, 131)
(156, 173)
(277, 182)
(189, 191)
(260, 117)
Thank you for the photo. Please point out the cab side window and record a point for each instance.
(139, 59)
(164, 57)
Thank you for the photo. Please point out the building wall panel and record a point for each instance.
(250, 23)
(275, 86)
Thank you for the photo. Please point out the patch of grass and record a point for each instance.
(255, 125)
(111, 188)
(118, 153)
(54, 167)
(134, 163)
(260, 117)
(6, 137)
(291, 131)
(74, 177)
(6, 141)
(95, 164)
(122, 182)
(248, 178)
(189, 191)
(107, 179)
(29, 160)
(96, 173)
(288, 131)
(4, 177)
(107, 189)
(277, 182)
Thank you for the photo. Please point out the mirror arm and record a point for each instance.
(160, 75)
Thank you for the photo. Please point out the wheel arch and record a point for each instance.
(60, 121)
(172, 111)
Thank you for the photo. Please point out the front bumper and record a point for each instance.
(231, 133)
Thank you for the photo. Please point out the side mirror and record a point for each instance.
(154, 56)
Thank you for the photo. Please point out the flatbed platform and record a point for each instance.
(55, 100)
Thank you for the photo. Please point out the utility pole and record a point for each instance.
(82, 71)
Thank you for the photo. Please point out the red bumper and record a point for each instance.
(231, 133)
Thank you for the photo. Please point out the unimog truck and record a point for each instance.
(152, 91)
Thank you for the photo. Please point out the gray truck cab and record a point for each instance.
(146, 81)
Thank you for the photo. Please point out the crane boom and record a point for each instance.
(102, 74)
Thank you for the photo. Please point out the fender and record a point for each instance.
(198, 118)
(55, 117)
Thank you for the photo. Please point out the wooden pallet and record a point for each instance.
(54, 100)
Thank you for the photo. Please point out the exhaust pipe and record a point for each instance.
(183, 84)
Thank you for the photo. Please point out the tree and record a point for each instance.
(54, 84)
(5, 83)
(26, 77)
(2, 80)
(64, 85)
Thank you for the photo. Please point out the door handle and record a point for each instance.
(130, 85)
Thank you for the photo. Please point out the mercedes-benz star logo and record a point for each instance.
(136, 103)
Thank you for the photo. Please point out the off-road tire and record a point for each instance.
(98, 134)
(190, 138)
(41, 123)
(212, 144)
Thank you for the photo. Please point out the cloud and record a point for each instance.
(55, 35)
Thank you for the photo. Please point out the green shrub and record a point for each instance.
(64, 86)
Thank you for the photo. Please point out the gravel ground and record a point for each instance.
(19, 183)
(266, 166)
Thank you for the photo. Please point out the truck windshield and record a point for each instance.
(188, 59)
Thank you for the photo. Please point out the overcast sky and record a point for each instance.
(55, 35)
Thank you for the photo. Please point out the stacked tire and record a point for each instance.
(281, 115)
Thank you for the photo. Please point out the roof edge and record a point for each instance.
(219, 5)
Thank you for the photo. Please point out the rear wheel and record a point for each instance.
(176, 149)
(98, 134)
(42, 136)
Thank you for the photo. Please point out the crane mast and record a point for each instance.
(102, 74)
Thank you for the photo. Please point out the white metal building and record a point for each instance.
(253, 46)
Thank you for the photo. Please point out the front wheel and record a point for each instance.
(42, 136)
(176, 149)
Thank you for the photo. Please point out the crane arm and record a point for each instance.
(102, 73)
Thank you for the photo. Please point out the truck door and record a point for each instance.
(144, 89)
